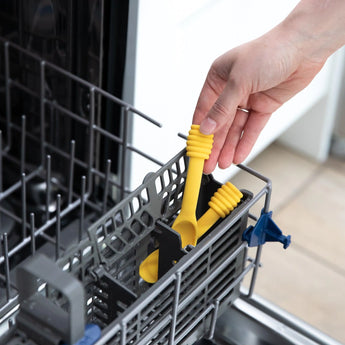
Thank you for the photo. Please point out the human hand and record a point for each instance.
(259, 76)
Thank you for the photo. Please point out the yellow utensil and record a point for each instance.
(224, 200)
(199, 147)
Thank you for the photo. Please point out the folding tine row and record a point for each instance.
(31, 153)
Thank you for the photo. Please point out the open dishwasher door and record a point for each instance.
(255, 321)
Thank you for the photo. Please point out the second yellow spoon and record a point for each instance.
(224, 200)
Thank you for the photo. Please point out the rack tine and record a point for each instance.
(0, 161)
(32, 233)
(255, 270)
(58, 226)
(22, 151)
(48, 186)
(214, 319)
(124, 151)
(82, 208)
(23, 205)
(106, 185)
(42, 108)
(91, 139)
(7, 264)
(8, 97)
(71, 172)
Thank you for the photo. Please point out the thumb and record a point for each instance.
(223, 110)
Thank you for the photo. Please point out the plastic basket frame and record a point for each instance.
(185, 302)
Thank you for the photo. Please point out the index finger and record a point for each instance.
(207, 98)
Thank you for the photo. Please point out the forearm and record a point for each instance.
(316, 27)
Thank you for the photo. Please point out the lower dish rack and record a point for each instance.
(180, 308)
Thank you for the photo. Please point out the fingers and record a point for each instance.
(232, 124)
(215, 112)
(233, 137)
(235, 130)
(223, 109)
(251, 131)
(212, 88)
(218, 143)
(239, 140)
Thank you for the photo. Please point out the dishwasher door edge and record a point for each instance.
(266, 323)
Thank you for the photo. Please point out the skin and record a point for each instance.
(262, 75)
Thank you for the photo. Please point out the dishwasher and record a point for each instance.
(73, 235)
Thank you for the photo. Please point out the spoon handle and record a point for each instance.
(199, 147)
(224, 200)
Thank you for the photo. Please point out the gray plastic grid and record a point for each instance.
(182, 305)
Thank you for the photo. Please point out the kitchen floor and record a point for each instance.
(308, 203)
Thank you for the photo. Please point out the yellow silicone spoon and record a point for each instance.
(224, 200)
(199, 147)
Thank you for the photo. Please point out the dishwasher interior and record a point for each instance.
(73, 235)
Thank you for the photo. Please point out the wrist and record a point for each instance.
(316, 28)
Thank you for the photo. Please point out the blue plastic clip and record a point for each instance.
(265, 230)
(91, 335)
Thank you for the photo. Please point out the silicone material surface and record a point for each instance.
(199, 147)
(224, 200)
(221, 204)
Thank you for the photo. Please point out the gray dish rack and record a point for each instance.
(75, 262)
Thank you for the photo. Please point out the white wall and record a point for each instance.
(177, 42)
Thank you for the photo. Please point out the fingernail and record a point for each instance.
(208, 126)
